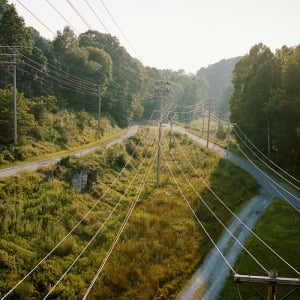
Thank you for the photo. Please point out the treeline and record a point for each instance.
(265, 103)
(72, 73)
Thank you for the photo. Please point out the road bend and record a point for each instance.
(46, 162)
(208, 280)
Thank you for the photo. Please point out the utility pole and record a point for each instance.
(13, 49)
(203, 119)
(171, 127)
(99, 112)
(161, 91)
(15, 98)
(272, 282)
(269, 148)
(208, 124)
(228, 141)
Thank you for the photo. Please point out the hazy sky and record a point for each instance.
(177, 34)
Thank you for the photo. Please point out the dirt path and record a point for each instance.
(46, 162)
(201, 285)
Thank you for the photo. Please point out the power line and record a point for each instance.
(62, 16)
(133, 204)
(213, 213)
(38, 19)
(266, 157)
(79, 222)
(232, 212)
(102, 225)
(195, 215)
(121, 31)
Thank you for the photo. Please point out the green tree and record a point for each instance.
(253, 84)
(25, 119)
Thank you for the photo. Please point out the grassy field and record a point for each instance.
(160, 246)
(279, 228)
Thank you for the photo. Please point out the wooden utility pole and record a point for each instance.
(99, 112)
(208, 124)
(15, 98)
(161, 90)
(271, 281)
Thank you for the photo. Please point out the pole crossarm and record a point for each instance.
(266, 280)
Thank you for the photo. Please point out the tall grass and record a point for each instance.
(161, 245)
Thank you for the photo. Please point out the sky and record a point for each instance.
(174, 34)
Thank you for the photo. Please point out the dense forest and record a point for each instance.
(60, 84)
(265, 103)
(218, 77)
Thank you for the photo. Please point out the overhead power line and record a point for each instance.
(121, 31)
(139, 169)
(232, 212)
(114, 181)
(129, 213)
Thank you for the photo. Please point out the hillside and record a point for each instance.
(218, 78)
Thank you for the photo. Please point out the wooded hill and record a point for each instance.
(59, 83)
(265, 103)
(218, 77)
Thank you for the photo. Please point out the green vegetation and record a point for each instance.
(60, 82)
(282, 234)
(161, 245)
(265, 103)
(218, 78)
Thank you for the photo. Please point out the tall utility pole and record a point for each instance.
(99, 112)
(161, 91)
(15, 98)
(13, 53)
(208, 124)
(228, 141)
(272, 282)
(269, 147)
(203, 118)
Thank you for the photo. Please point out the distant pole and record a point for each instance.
(171, 125)
(161, 92)
(269, 148)
(228, 141)
(203, 119)
(15, 100)
(99, 112)
(158, 155)
(208, 124)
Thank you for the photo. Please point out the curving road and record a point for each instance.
(201, 285)
(46, 162)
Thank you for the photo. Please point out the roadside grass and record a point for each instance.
(279, 228)
(65, 152)
(162, 244)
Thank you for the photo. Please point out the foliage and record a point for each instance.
(266, 101)
(160, 247)
(218, 78)
(285, 228)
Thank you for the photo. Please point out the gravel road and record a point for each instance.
(46, 162)
(201, 285)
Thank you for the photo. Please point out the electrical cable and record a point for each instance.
(195, 215)
(102, 225)
(269, 168)
(232, 212)
(78, 223)
(120, 230)
(121, 31)
(214, 215)
(38, 19)
(62, 16)
(266, 157)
